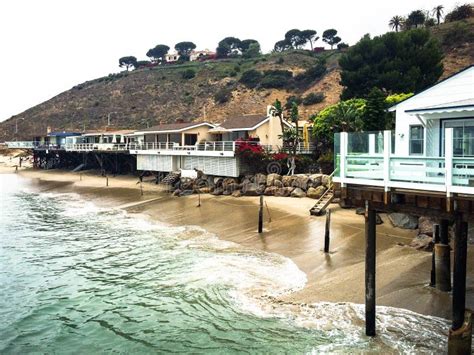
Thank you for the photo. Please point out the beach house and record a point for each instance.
(431, 148)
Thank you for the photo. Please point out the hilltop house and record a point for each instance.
(431, 149)
(200, 55)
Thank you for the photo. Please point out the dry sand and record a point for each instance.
(402, 272)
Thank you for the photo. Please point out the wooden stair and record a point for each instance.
(323, 202)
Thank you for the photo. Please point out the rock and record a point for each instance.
(237, 193)
(260, 179)
(378, 219)
(200, 183)
(315, 192)
(298, 192)
(177, 192)
(228, 181)
(186, 184)
(288, 180)
(186, 192)
(250, 189)
(218, 181)
(402, 220)
(425, 225)
(315, 180)
(301, 181)
(284, 191)
(261, 189)
(271, 178)
(227, 193)
(270, 190)
(231, 187)
(360, 211)
(277, 183)
(325, 180)
(422, 242)
(217, 191)
(204, 190)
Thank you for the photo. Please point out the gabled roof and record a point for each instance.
(174, 127)
(242, 123)
(392, 108)
(461, 105)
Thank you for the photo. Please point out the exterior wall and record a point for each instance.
(269, 132)
(456, 88)
(156, 162)
(202, 132)
(221, 166)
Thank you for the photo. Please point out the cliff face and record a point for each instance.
(147, 96)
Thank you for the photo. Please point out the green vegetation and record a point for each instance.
(184, 50)
(330, 37)
(407, 61)
(313, 98)
(128, 62)
(188, 74)
(460, 12)
(223, 95)
(158, 53)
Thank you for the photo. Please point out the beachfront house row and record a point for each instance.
(100, 141)
(431, 149)
(204, 146)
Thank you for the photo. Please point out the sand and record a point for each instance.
(402, 273)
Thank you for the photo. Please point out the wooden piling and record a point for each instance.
(327, 231)
(260, 215)
(459, 274)
(443, 259)
(199, 199)
(433, 258)
(106, 181)
(370, 231)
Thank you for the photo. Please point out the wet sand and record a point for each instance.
(402, 272)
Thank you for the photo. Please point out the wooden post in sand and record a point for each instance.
(327, 231)
(260, 215)
(433, 257)
(370, 231)
(199, 198)
(443, 259)
(141, 188)
(106, 181)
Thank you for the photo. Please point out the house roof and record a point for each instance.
(392, 108)
(108, 133)
(461, 105)
(63, 134)
(174, 127)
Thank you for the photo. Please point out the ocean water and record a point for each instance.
(77, 278)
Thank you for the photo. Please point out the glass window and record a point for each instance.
(417, 138)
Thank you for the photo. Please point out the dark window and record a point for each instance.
(417, 139)
(190, 139)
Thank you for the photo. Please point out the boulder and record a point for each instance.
(270, 190)
(315, 180)
(283, 192)
(403, 220)
(261, 189)
(250, 189)
(422, 242)
(298, 192)
(325, 180)
(218, 181)
(227, 193)
(315, 192)
(237, 193)
(301, 181)
(425, 225)
(277, 183)
(260, 179)
(288, 180)
(217, 191)
(228, 181)
(360, 211)
(271, 178)
(186, 184)
(231, 187)
(177, 192)
(204, 190)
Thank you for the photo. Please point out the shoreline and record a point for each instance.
(402, 272)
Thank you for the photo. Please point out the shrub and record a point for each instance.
(460, 12)
(188, 74)
(313, 98)
(290, 99)
(223, 95)
(457, 34)
(251, 78)
(275, 79)
(233, 73)
(280, 60)
(310, 75)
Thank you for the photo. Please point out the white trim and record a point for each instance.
(139, 133)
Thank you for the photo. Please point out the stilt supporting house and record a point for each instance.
(370, 232)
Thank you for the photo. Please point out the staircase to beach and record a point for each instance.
(323, 202)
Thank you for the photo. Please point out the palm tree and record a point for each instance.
(438, 12)
(396, 23)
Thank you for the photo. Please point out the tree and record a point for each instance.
(415, 18)
(128, 62)
(282, 46)
(229, 45)
(158, 53)
(374, 118)
(244, 45)
(251, 78)
(460, 12)
(394, 62)
(438, 12)
(309, 36)
(295, 37)
(252, 51)
(184, 49)
(330, 37)
(342, 45)
(396, 23)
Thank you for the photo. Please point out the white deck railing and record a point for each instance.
(22, 144)
(448, 174)
(89, 147)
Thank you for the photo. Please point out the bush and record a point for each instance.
(233, 73)
(457, 34)
(251, 78)
(275, 79)
(314, 73)
(460, 12)
(188, 74)
(290, 99)
(313, 98)
(223, 95)
(280, 60)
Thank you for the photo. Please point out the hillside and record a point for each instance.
(147, 96)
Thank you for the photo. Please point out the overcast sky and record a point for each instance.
(48, 46)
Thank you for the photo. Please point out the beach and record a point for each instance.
(403, 273)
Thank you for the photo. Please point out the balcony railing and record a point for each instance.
(23, 144)
(89, 147)
(379, 167)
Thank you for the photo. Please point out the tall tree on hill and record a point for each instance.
(296, 38)
(415, 19)
(184, 49)
(158, 53)
(309, 36)
(374, 118)
(330, 37)
(396, 23)
(282, 46)
(229, 45)
(128, 62)
(406, 61)
(438, 12)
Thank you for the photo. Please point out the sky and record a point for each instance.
(49, 46)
